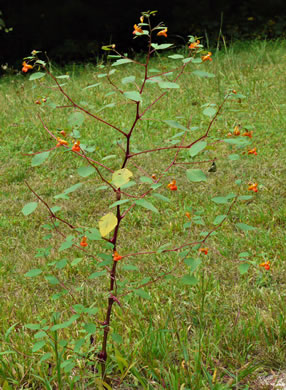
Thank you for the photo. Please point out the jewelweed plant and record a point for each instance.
(132, 189)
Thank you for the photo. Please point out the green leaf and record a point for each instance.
(93, 234)
(244, 227)
(168, 84)
(37, 346)
(122, 61)
(161, 197)
(52, 279)
(189, 280)
(163, 46)
(76, 119)
(37, 75)
(237, 141)
(130, 267)
(141, 293)
(196, 175)
(45, 357)
(33, 272)
(127, 80)
(147, 205)
(197, 148)
(61, 264)
(118, 203)
(97, 274)
(107, 223)
(90, 328)
(219, 219)
(91, 86)
(128, 185)
(243, 268)
(133, 95)
(55, 209)
(163, 247)
(201, 73)
(220, 200)
(245, 197)
(85, 171)
(38, 159)
(209, 111)
(76, 261)
(68, 191)
(193, 263)
(117, 338)
(234, 157)
(243, 254)
(68, 243)
(146, 179)
(176, 125)
(176, 56)
(29, 208)
(33, 326)
(121, 177)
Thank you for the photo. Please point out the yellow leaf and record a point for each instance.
(107, 223)
(121, 177)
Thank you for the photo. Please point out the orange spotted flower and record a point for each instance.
(207, 57)
(172, 185)
(61, 142)
(236, 130)
(163, 33)
(204, 250)
(116, 256)
(26, 67)
(253, 187)
(83, 241)
(194, 45)
(137, 29)
(253, 151)
(248, 134)
(76, 147)
(63, 133)
(265, 265)
(188, 215)
(142, 18)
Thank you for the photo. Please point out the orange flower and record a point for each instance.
(236, 130)
(76, 147)
(142, 19)
(172, 185)
(163, 33)
(188, 215)
(204, 250)
(44, 100)
(265, 265)
(116, 256)
(253, 151)
(207, 57)
(194, 45)
(229, 134)
(83, 241)
(137, 29)
(248, 134)
(26, 67)
(234, 91)
(63, 133)
(253, 187)
(61, 142)
(38, 102)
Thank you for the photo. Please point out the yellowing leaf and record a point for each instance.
(121, 177)
(107, 223)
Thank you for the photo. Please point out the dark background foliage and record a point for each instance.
(75, 30)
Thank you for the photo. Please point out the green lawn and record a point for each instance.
(223, 325)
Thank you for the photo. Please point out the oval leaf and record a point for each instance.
(38, 159)
(85, 171)
(33, 272)
(196, 175)
(133, 95)
(197, 148)
(107, 223)
(37, 75)
(146, 205)
(29, 208)
(121, 177)
(168, 84)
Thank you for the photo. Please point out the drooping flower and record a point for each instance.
(265, 265)
(188, 215)
(142, 18)
(253, 151)
(172, 186)
(137, 29)
(204, 250)
(63, 133)
(38, 102)
(116, 256)
(61, 142)
(207, 57)
(248, 134)
(83, 241)
(194, 45)
(163, 33)
(253, 187)
(44, 100)
(76, 147)
(154, 177)
(234, 91)
(236, 131)
(26, 67)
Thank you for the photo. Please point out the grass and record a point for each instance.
(222, 333)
